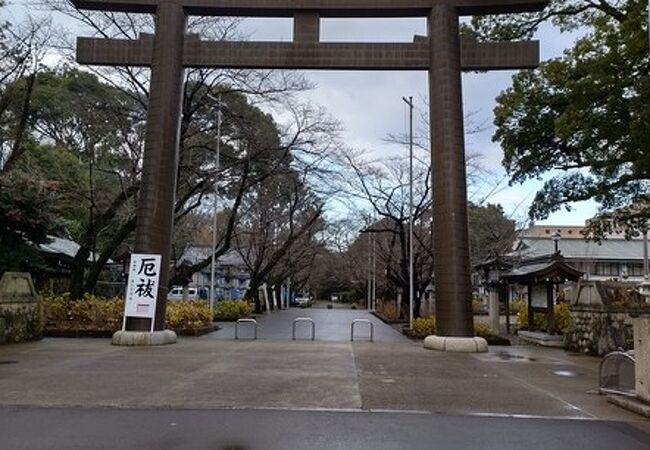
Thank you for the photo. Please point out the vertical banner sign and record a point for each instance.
(142, 287)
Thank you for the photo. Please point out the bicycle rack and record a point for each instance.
(253, 321)
(355, 321)
(306, 320)
(616, 374)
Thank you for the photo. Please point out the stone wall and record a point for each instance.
(598, 331)
(20, 309)
(602, 316)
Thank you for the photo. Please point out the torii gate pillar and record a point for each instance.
(156, 201)
(450, 222)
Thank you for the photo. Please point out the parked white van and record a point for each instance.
(176, 293)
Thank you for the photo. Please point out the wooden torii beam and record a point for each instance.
(444, 54)
(326, 8)
(309, 55)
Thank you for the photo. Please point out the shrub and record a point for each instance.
(388, 310)
(424, 326)
(88, 314)
(482, 329)
(232, 310)
(477, 306)
(562, 318)
(188, 315)
(99, 315)
(517, 306)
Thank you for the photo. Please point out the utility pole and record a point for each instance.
(644, 287)
(409, 102)
(215, 204)
(369, 284)
(373, 300)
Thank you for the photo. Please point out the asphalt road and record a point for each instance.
(28, 428)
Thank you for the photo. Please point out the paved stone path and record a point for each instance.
(303, 394)
(331, 325)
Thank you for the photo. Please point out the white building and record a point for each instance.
(231, 277)
(614, 258)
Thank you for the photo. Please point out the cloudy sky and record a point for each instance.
(370, 106)
(370, 103)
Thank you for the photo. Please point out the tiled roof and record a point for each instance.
(64, 247)
(609, 249)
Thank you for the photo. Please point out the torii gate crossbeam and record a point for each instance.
(444, 55)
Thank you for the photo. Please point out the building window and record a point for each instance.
(635, 270)
(607, 269)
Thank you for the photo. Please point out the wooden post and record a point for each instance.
(531, 313)
(550, 303)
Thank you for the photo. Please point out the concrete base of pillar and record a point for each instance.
(456, 344)
(143, 338)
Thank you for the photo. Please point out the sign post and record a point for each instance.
(142, 287)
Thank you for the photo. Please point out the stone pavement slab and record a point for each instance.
(202, 373)
(331, 325)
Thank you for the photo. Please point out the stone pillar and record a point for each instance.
(306, 26)
(642, 356)
(450, 225)
(493, 307)
(155, 210)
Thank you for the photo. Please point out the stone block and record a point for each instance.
(20, 308)
(456, 344)
(143, 338)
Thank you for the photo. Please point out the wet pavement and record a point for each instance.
(330, 325)
(212, 392)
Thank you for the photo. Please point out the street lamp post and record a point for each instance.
(374, 274)
(556, 241)
(215, 204)
(409, 102)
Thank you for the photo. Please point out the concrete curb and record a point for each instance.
(143, 338)
(631, 404)
(456, 344)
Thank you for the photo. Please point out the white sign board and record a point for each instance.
(142, 287)
(540, 296)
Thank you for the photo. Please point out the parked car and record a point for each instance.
(303, 300)
(193, 293)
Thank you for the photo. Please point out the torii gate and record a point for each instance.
(444, 55)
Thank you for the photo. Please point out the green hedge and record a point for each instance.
(540, 321)
(426, 326)
(104, 315)
(228, 310)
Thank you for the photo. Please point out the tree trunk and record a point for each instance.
(78, 271)
(106, 253)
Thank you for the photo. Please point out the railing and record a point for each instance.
(356, 321)
(240, 321)
(616, 374)
(306, 320)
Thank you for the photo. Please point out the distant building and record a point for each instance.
(614, 258)
(58, 256)
(231, 277)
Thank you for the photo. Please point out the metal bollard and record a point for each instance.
(253, 321)
(303, 319)
(372, 328)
